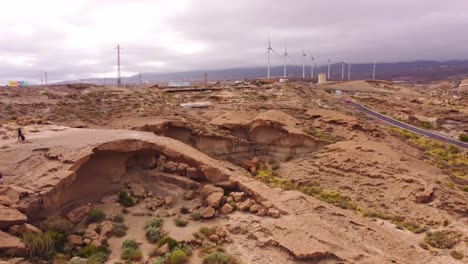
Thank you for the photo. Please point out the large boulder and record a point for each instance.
(11, 243)
(77, 214)
(245, 205)
(10, 216)
(137, 189)
(18, 230)
(226, 209)
(208, 212)
(214, 199)
(208, 189)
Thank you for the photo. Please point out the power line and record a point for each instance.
(119, 81)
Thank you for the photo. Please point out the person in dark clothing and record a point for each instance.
(1, 178)
(21, 137)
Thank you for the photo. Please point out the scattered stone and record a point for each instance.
(168, 200)
(273, 212)
(11, 243)
(182, 169)
(238, 196)
(189, 195)
(77, 214)
(86, 241)
(10, 216)
(138, 212)
(170, 167)
(75, 240)
(267, 204)
(214, 199)
(208, 189)
(18, 230)
(161, 162)
(229, 199)
(245, 205)
(262, 212)
(214, 238)
(106, 228)
(137, 189)
(193, 173)
(221, 232)
(110, 199)
(208, 212)
(227, 209)
(255, 208)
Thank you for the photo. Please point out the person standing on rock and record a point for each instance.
(21, 137)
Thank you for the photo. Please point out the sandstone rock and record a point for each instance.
(96, 242)
(426, 195)
(137, 189)
(86, 241)
(15, 261)
(214, 175)
(194, 173)
(208, 212)
(164, 249)
(78, 213)
(168, 200)
(226, 209)
(208, 189)
(9, 194)
(214, 238)
(273, 212)
(110, 199)
(161, 162)
(245, 205)
(182, 169)
(267, 204)
(262, 212)
(75, 240)
(11, 243)
(221, 232)
(106, 228)
(170, 167)
(18, 230)
(189, 195)
(214, 199)
(229, 199)
(10, 216)
(255, 208)
(238, 196)
(138, 212)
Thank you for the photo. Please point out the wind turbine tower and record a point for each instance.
(285, 58)
(269, 49)
(328, 76)
(349, 71)
(342, 70)
(373, 71)
(303, 64)
(311, 66)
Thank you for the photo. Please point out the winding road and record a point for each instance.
(410, 128)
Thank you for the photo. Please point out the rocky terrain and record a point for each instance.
(266, 173)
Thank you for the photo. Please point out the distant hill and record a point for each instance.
(416, 71)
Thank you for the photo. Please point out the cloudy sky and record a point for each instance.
(76, 39)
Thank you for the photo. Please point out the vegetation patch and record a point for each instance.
(442, 239)
(125, 199)
(180, 222)
(456, 254)
(119, 229)
(95, 216)
(131, 251)
(39, 246)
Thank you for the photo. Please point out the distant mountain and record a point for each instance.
(415, 71)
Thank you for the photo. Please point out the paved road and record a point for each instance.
(410, 128)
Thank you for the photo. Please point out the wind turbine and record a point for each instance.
(303, 64)
(329, 62)
(373, 71)
(342, 70)
(349, 71)
(268, 52)
(311, 66)
(285, 57)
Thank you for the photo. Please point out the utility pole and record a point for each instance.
(328, 76)
(349, 71)
(312, 67)
(105, 79)
(45, 78)
(373, 72)
(41, 78)
(139, 76)
(119, 81)
(342, 70)
(205, 78)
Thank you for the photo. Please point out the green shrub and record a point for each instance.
(125, 199)
(442, 239)
(465, 188)
(87, 251)
(119, 229)
(96, 216)
(154, 222)
(177, 256)
(196, 216)
(456, 254)
(119, 218)
(130, 243)
(180, 222)
(217, 258)
(39, 246)
(59, 224)
(172, 243)
(59, 239)
(99, 257)
(131, 254)
(463, 137)
(153, 234)
(208, 231)
(184, 210)
(78, 260)
(453, 149)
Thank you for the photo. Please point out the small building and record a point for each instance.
(179, 84)
(322, 78)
